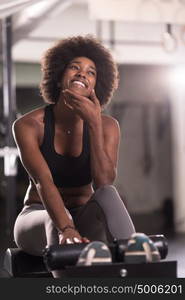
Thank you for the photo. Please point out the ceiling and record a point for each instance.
(136, 31)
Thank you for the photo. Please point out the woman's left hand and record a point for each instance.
(88, 108)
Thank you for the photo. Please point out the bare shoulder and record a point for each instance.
(32, 119)
(110, 123)
(29, 126)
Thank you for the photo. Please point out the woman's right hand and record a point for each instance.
(71, 236)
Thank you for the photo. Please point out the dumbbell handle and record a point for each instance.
(59, 256)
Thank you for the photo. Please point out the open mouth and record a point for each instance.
(79, 83)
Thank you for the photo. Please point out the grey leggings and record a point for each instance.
(103, 218)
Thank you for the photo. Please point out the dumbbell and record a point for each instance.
(61, 256)
(123, 250)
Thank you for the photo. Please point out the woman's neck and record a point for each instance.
(65, 115)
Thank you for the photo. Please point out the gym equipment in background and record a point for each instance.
(138, 256)
(57, 256)
(66, 257)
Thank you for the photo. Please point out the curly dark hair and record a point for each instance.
(59, 56)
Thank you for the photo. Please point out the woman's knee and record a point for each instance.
(106, 188)
(106, 192)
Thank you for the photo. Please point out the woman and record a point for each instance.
(69, 149)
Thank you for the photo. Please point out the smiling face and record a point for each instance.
(80, 76)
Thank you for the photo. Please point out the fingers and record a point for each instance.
(75, 97)
(69, 241)
(68, 105)
(70, 93)
(85, 240)
(73, 240)
(93, 97)
(76, 240)
(75, 100)
(66, 102)
(71, 101)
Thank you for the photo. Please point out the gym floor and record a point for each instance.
(176, 252)
(176, 243)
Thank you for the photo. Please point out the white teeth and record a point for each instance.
(79, 82)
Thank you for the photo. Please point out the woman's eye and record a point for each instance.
(73, 67)
(92, 73)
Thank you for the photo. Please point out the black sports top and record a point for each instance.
(67, 171)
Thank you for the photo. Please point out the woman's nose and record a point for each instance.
(81, 74)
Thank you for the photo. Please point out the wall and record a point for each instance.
(145, 178)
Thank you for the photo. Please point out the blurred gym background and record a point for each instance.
(147, 39)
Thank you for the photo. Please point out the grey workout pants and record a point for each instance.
(103, 218)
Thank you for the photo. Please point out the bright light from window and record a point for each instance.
(37, 9)
(177, 76)
(33, 11)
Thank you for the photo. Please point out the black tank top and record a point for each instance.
(67, 171)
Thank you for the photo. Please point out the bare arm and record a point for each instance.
(25, 133)
(104, 134)
(104, 143)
